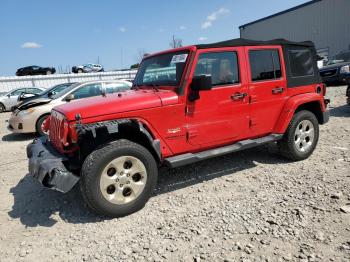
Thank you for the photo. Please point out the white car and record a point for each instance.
(30, 117)
(10, 99)
(87, 68)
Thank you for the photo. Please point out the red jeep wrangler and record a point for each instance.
(187, 104)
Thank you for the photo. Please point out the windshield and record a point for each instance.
(165, 69)
(55, 89)
(65, 91)
(340, 58)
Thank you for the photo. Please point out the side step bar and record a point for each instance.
(189, 158)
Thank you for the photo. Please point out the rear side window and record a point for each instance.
(33, 91)
(301, 62)
(265, 64)
(116, 87)
(222, 66)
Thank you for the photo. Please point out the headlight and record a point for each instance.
(27, 111)
(345, 69)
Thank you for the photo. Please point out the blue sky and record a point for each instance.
(66, 32)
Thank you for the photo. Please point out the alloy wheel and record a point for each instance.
(304, 136)
(123, 180)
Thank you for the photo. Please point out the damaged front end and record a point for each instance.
(47, 166)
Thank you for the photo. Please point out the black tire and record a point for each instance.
(79, 71)
(92, 170)
(38, 125)
(287, 145)
(2, 108)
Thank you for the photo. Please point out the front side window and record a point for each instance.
(301, 62)
(264, 65)
(88, 91)
(221, 66)
(166, 69)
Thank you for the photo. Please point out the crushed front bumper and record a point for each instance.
(46, 166)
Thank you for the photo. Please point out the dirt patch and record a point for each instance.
(247, 206)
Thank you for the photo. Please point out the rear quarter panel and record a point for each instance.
(297, 97)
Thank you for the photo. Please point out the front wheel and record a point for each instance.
(2, 108)
(40, 125)
(118, 178)
(301, 137)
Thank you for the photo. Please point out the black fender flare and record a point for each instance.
(112, 127)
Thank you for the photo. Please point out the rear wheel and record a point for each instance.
(40, 124)
(118, 178)
(79, 70)
(48, 72)
(301, 137)
(2, 108)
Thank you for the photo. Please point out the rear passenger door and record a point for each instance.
(267, 87)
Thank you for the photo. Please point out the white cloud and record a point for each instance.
(182, 27)
(122, 29)
(30, 45)
(214, 16)
(202, 38)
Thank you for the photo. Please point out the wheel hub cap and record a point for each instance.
(123, 180)
(304, 136)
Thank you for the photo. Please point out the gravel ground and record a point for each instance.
(246, 206)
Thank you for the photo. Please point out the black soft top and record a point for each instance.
(249, 42)
(305, 60)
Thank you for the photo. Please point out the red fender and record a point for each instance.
(291, 106)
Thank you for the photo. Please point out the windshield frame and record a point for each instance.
(176, 86)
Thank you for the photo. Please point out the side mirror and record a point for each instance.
(201, 82)
(9, 95)
(69, 98)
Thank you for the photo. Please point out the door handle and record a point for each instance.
(238, 96)
(277, 90)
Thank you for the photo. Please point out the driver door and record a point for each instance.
(220, 115)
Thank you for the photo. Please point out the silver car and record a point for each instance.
(10, 99)
(87, 68)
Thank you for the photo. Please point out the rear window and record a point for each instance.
(301, 62)
(264, 64)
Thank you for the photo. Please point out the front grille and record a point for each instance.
(55, 127)
(329, 73)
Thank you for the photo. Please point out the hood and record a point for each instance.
(33, 103)
(127, 101)
(334, 66)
